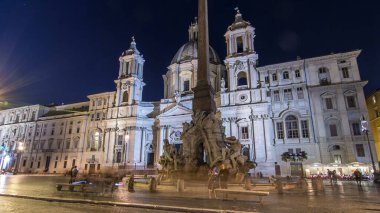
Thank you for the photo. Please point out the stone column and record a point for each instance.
(203, 92)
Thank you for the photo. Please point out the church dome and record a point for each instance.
(189, 51)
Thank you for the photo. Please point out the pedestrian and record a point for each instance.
(329, 175)
(213, 177)
(223, 176)
(358, 177)
(73, 174)
(131, 183)
(334, 176)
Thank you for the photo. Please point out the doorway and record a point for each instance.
(92, 169)
(296, 169)
(150, 160)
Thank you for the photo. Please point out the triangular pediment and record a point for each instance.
(175, 109)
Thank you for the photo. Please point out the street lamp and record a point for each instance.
(364, 124)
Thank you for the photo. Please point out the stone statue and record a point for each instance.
(223, 85)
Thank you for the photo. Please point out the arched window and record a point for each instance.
(242, 79)
(239, 44)
(186, 85)
(125, 96)
(292, 126)
(285, 75)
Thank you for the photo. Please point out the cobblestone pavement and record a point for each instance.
(341, 197)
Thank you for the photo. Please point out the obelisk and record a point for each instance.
(203, 92)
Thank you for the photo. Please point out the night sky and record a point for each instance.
(61, 51)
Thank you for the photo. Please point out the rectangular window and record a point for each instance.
(118, 156)
(345, 72)
(73, 163)
(67, 144)
(70, 131)
(356, 129)
(288, 95)
(300, 94)
(333, 130)
(360, 150)
(244, 133)
(276, 95)
(239, 44)
(274, 77)
(52, 132)
(24, 163)
(38, 164)
(55, 164)
(78, 130)
(65, 164)
(338, 159)
(298, 150)
(329, 103)
(120, 139)
(98, 167)
(290, 151)
(351, 102)
(31, 164)
(59, 144)
(266, 79)
(292, 129)
(186, 85)
(85, 166)
(305, 129)
(298, 74)
(280, 130)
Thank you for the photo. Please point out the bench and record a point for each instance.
(259, 194)
(71, 187)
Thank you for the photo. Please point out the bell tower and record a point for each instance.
(241, 58)
(130, 81)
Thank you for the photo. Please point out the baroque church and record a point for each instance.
(310, 106)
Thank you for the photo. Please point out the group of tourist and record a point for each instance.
(218, 178)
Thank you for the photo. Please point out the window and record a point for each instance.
(300, 94)
(280, 130)
(333, 130)
(242, 79)
(68, 144)
(291, 151)
(329, 103)
(78, 130)
(59, 142)
(298, 150)
(24, 163)
(266, 79)
(356, 128)
(345, 72)
(120, 139)
(288, 95)
(351, 102)
(52, 132)
(305, 129)
(276, 95)
(298, 74)
(338, 159)
(125, 96)
(360, 150)
(285, 75)
(186, 85)
(292, 126)
(324, 76)
(244, 133)
(50, 143)
(274, 77)
(95, 140)
(65, 164)
(118, 156)
(239, 44)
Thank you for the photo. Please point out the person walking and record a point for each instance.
(73, 174)
(212, 180)
(358, 177)
(223, 176)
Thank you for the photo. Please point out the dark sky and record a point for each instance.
(62, 51)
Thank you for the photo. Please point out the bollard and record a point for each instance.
(152, 184)
(180, 185)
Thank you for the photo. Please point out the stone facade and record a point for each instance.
(312, 105)
(373, 104)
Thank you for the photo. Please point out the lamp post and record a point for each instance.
(364, 124)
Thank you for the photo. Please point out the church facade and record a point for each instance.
(311, 105)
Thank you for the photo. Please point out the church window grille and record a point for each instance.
(351, 102)
(242, 79)
(288, 95)
(280, 130)
(276, 95)
(298, 74)
(360, 150)
(274, 77)
(333, 130)
(356, 128)
(244, 133)
(239, 44)
(267, 79)
(305, 129)
(300, 93)
(186, 85)
(285, 75)
(292, 127)
(329, 103)
(345, 72)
